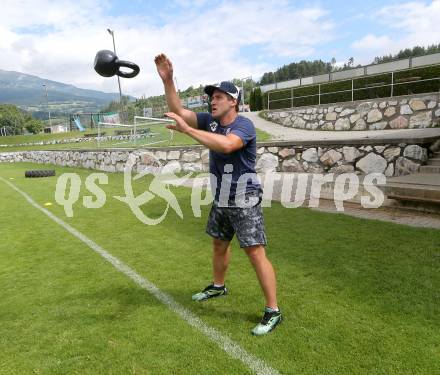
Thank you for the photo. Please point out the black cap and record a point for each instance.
(225, 86)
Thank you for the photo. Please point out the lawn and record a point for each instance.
(359, 296)
(177, 140)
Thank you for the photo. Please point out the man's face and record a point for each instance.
(221, 104)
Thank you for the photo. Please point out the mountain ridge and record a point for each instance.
(27, 92)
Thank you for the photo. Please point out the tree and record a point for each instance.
(252, 100)
(15, 120)
(257, 100)
(34, 126)
(11, 118)
(408, 52)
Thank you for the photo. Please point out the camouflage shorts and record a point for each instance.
(247, 223)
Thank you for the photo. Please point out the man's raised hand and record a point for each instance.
(164, 67)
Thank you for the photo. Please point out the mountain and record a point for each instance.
(27, 92)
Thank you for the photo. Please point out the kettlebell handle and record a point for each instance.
(127, 64)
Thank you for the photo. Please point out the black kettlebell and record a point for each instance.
(107, 64)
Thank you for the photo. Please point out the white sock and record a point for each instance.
(219, 285)
(272, 309)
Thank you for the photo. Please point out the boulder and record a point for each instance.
(291, 165)
(391, 153)
(416, 152)
(342, 124)
(372, 163)
(417, 104)
(310, 155)
(421, 120)
(351, 153)
(267, 163)
(390, 111)
(374, 115)
(405, 166)
(399, 123)
(330, 157)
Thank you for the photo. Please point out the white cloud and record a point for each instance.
(374, 43)
(203, 43)
(410, 24)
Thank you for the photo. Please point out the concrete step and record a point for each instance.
(434, 161)
(430, 169)
(413, 193)
(420, 206)
(419, 187)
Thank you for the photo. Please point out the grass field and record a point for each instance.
(178, 139)
(359, 296)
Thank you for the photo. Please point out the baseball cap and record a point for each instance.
(225, 86)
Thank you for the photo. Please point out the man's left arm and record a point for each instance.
(225, 144)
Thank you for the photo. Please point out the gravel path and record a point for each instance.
(279, 132)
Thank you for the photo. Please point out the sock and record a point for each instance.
(270, 309)
(219, 285)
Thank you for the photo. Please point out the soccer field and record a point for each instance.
(358, 296)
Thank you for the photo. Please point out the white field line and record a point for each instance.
(230, 347)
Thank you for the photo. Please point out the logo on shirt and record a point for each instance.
(213, 125)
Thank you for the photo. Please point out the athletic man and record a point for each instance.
(231, 140)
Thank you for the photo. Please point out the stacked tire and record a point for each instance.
(40, 173)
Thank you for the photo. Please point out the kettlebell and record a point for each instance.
(107, 64)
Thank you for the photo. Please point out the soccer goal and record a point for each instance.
(151, 130)
(143, 132)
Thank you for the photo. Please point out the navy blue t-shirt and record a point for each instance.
(228, 168)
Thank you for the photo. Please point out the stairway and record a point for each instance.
(419, 190)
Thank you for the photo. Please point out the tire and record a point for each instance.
(40, 173)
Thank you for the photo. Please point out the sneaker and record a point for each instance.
(210, 292)
(270, 320)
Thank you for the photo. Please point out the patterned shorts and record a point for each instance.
(247, 223)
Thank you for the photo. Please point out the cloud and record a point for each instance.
(374, 43)
(58, 40)
(409, 24)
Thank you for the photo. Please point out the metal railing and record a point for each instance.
(320, 94)
(358, 72)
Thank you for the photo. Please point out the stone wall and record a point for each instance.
(392, 159)
(405, 112)
(83, 139)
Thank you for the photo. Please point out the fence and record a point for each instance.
(404, 82)
(368, 70)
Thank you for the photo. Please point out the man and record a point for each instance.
(231, 140)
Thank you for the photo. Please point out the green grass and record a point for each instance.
(359, 296)
(179, 139)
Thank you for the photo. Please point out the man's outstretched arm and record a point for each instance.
(165, 70)
(216, 142)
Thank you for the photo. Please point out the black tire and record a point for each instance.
(40, 173)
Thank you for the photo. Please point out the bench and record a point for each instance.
(90, 135)
(122, 132)
(129, 132)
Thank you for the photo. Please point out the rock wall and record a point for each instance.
(390, 159)
(408, 112)
(82, 139)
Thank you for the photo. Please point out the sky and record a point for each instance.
(207, 41)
